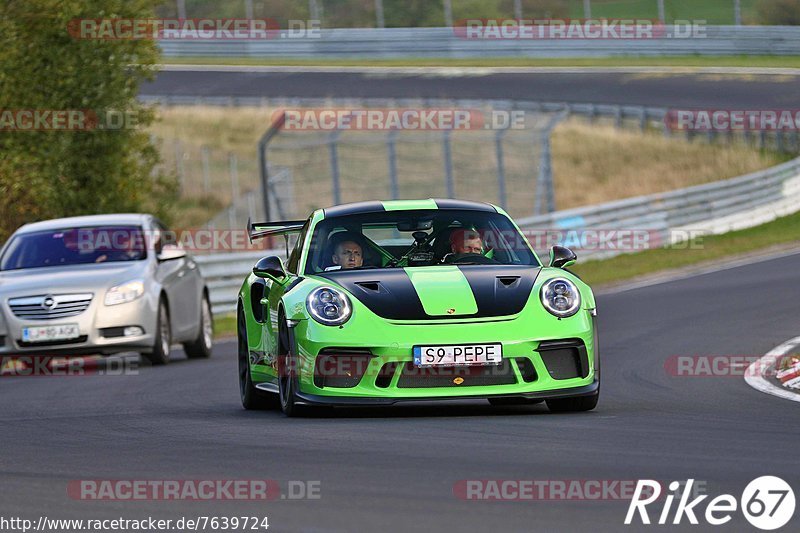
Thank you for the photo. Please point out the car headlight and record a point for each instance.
(329, 306)
(124, 293)
(560, 297)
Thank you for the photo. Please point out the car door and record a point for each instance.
(274, 291)
(183, 284)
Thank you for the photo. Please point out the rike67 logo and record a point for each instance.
(767, 503)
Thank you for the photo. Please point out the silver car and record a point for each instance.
(101, 284)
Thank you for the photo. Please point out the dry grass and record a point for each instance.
(591, 163)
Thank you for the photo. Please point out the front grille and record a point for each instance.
(50, 307)
(565, 359)
(413, 377)
(526, 369)
(340, 368)
(384, 378)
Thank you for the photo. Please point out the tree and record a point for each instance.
(55, 173)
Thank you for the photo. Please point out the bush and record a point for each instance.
(779, 12)
(56, 173)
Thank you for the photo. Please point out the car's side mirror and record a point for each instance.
(171, 251)
(270, 267)
(562, 257)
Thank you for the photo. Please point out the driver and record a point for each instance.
(466, 241)
(347, 252)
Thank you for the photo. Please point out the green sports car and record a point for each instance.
(381, 302)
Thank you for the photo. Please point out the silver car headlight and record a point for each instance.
(329, 306)
(125, 292)
(560, 297)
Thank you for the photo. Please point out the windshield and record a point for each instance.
(394, 239)
(74, 246)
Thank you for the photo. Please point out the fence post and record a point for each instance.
(234, 175)
(251, 206)
(545, 188)
(448, 13)
(618, 116)
(448, 165)
(181, 171)
(501, 171)
(379, 22)
(394, 190)
(204, 154)
(233, 165)
(334, 155)
(232, 216)
(263, 171)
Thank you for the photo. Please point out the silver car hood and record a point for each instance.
(56, 280)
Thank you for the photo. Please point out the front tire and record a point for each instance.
(287, 371)
(573, 405)
(200, 347)
(252, 398)
(163, 341)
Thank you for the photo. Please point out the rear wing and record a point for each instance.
(259, 230)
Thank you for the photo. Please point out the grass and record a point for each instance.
(592, 163)
(621, 61)
(713, 11)
(225, 325)
(781, 231)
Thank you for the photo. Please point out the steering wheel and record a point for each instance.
(479, 259)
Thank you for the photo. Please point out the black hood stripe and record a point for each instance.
(499, 290)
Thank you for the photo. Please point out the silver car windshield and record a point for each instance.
(74, 246)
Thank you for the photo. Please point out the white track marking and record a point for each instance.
(758, 382)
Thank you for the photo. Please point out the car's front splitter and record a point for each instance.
(315, 399)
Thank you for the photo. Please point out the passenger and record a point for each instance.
(466, 241)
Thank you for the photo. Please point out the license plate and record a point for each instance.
(56, 332)
(457, 355)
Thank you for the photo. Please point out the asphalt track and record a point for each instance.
(658, 88)
(393, 469)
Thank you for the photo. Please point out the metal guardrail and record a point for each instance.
(444, 42)
(718, 207)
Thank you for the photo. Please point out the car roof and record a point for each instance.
(122, 219)
(377, 206)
